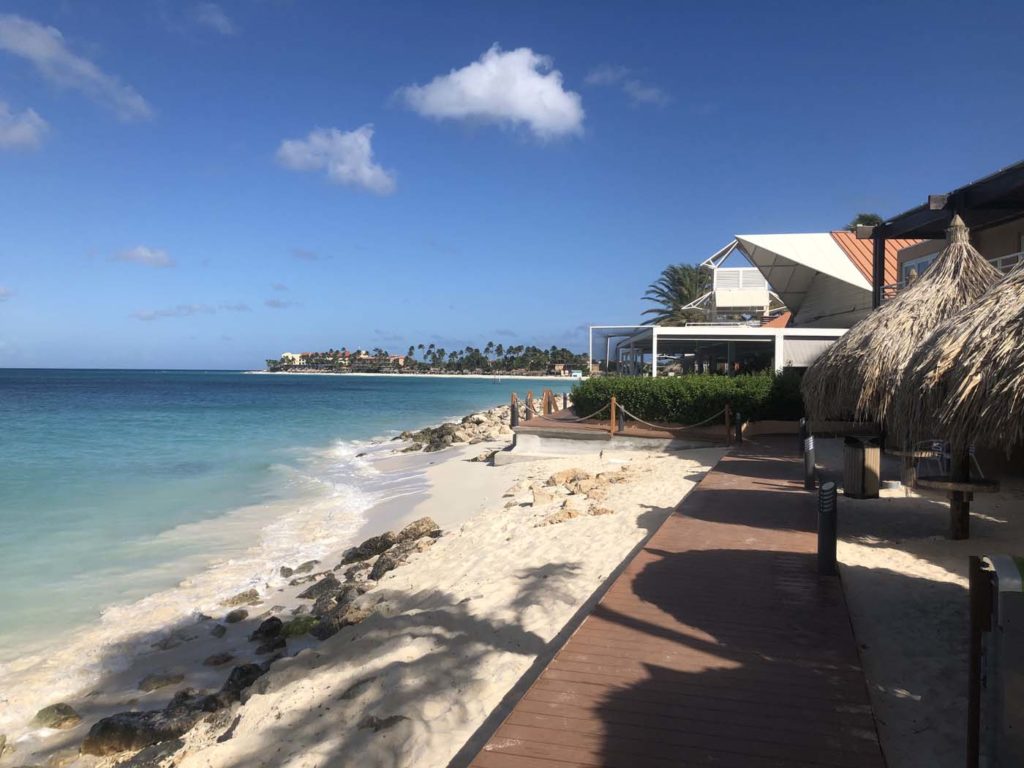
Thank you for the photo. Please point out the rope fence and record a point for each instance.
(619, 414)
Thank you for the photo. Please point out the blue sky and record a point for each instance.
(197, 184)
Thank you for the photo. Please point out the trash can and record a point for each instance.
(862, 457)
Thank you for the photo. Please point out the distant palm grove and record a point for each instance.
(430, 358)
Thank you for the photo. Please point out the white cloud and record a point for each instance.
(506, 87)
(280, 303)
(212, 16)
(5, 293)
(622, 77)
(24, 130)
(188, 310)
(347, 158)
(150, 257)
(46, 49)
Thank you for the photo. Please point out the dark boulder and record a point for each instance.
(240, 678)
(57, 716)
(236, 615)
(419, 528)
(327, 584)
(138, 730)
(332, 623)
(267, 630)
(372, 546)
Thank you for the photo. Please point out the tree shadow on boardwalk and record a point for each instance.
(757, 666)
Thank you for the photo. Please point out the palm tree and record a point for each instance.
(412, 351)
(679, 285)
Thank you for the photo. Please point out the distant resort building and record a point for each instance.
(800, 293)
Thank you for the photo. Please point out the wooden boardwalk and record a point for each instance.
(718, 645)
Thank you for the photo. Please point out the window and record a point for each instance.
(914, 268)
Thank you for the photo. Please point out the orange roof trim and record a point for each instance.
(860, 252)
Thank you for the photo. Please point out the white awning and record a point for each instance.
(791, 262)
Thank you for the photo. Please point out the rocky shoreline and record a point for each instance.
(329, 600)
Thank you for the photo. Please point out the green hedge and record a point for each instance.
(693, 398)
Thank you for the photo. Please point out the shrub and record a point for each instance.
(695, 397)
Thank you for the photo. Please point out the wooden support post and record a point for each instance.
(728, 431)
(960, 501)
(514, 412)
(613, 416)
(980, 622)
(549, 402)
(529, 405)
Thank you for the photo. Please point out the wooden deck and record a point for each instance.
(564, 422)
(718, 645)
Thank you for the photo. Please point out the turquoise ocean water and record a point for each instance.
(117, 484)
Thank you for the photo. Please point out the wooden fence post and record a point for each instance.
(529, 405)
(514, 412)
(728, 432)
(614, 414)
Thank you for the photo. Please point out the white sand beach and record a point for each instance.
(450, 633)
(906, 586)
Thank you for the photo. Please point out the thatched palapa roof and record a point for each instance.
(857, 376)
(965, 384)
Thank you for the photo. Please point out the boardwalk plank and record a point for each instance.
(717, 645)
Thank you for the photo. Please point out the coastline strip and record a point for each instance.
(718, 644)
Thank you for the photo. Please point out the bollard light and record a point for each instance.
(809, 480)
(827, 528)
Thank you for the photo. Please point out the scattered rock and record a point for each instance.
(152, 756)
(286, 572)
(218, 659)
(60, 715)
(380, 723)
(331, 624)
(413, 448)
(560, 516)
(240, 678)
(248, 597)
(332, 600)
(372, 546)
(138, 730)
(236, 615)
(357, 572)
(301, 580)
(397, 555)
(307, 566)
(567, 476)
(542, 497)
(218, 630)
(299, 626)
(267, 630)
(3, 744)
(419, 528)
(596, 511)
(271, 645)
(159, 680)
(328, 583)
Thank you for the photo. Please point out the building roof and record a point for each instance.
(860, 253)
(987, 202)
(779, 321)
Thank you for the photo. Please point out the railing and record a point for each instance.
(1003, 263)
